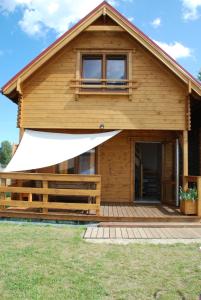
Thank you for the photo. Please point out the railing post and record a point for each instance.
(199, 196)
(30, 197)
(98, 198)
(2, 195)
(45, 197)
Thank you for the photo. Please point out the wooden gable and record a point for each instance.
(158, 98)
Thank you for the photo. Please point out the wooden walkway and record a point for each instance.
(109, 212)
(142, 233)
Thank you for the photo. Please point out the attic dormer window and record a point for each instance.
(104, 71)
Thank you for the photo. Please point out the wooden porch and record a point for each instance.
(77, 198)
(115, 212)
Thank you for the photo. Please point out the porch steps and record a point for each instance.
(143, 234)
(150, 224)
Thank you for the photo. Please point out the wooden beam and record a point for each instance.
(52, 205)
(50, 191)
(21, 133)
(104, 28)
(189, 87)
(51, 177)
(19, 88)
(185, 159)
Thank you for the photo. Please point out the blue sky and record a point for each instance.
(29, 26)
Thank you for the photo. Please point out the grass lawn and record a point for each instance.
(49, 262)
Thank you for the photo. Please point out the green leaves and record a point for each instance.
(199, 75)
(190, 194)
(5, 153)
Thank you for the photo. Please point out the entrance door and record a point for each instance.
(148, 171)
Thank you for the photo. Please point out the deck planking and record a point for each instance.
(142, 233)
(110, 212)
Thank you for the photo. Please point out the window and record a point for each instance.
(107, 70)
(116, 68)
(83, 164)
(92, 68)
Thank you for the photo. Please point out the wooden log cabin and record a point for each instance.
(103, 75)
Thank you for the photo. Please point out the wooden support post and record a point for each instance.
(199, 196)
(98, 198)
(185, 159)
(45, 197)
(2, 195)
(21, 133)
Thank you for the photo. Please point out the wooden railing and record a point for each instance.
(86, 187)
(85, 86)
(197, 181)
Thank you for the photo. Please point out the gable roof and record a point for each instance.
(106, 9)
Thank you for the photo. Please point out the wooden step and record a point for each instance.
(151, 224)
(142, 233)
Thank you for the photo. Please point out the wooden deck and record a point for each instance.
(109, 213)
(141, 233)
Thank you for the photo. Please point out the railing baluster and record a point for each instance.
(30, 197)
(2, 195)
(98, 198)
(45, 197)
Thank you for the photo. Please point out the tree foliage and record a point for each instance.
(5, 153)
(199, 75)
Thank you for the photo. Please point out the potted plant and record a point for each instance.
(188, 201)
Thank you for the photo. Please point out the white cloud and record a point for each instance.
(175, 50)
(38, 16)
(190, 9)
(156, 22)
(131, 19)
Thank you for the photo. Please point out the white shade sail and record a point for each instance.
(42, 149)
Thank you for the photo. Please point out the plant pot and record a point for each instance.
(188, 207)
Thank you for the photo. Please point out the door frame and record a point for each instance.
(147, 139)
(134, 150)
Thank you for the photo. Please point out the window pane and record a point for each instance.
(71, 166)
(116, 67)
(87, 162)
(66, 167)
(92, 67)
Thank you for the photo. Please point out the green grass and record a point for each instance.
(48, 262)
